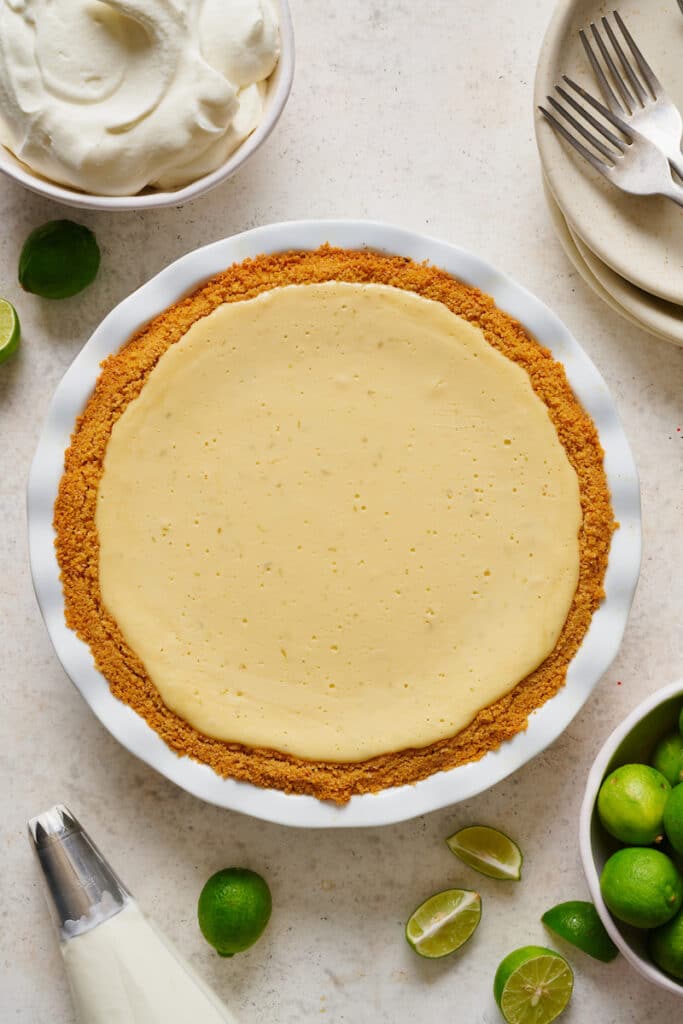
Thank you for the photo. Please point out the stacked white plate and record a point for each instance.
(628, 249)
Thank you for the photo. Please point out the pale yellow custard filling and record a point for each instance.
(337, 523)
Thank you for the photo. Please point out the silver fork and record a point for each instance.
(639, 99)
(630, 161)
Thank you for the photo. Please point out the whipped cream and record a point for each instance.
(110, 96)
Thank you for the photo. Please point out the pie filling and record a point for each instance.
(337, 523)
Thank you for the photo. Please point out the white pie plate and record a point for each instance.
(545, 725)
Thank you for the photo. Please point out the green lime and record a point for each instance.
(58, 259)
(641, 887)
(444, 922)
(673, 819)
(668, 758)
(488, 851)
(666, 946)
(234, 908)
(680, 722)
(10, 330)
(631, 804)
(578, 922)
(533, 985)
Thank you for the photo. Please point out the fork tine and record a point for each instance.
(648, 74)
(605, 87)
(616, 77)
(604, 131)
(600, 107)
(600, 146)
(578, 146)
(624, 61)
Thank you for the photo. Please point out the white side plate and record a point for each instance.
(586, 263)
(639, 237)
(545, 725)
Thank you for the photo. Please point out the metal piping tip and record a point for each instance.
(52, 825)
(82, 889)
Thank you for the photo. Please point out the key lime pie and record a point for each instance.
(333, 523)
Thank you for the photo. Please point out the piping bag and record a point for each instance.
(121, 968)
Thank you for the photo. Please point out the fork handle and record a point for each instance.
(676, 162)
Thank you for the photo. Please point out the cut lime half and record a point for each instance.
(488, 851)
(533, 985)
(444, 922)
(10, 330)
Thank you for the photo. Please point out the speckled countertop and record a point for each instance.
(421, 118)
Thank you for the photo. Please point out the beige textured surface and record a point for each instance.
(279, 554)
(335, 942)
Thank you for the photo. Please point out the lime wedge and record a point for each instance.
(444, 922)
(533, 985)
(578, 922)
(10, 330)
(488, 851)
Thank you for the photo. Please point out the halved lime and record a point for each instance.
(578, 922)
(10, 330)
(444, 922)
(488, 851)
(533, 985)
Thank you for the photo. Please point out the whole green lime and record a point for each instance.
(680, 722)
(631, 804)
(666, 947)
(668, 758)
(641, 887)
(59, 259)
(233, 910)
(673, 819)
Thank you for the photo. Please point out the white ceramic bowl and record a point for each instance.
(279, 87)
(631, 742)
(597, 650)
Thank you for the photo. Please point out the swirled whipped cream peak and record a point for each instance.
(110, 96)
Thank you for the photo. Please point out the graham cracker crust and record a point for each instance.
(122, 378)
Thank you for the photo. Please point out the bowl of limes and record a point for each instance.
(631, 836)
